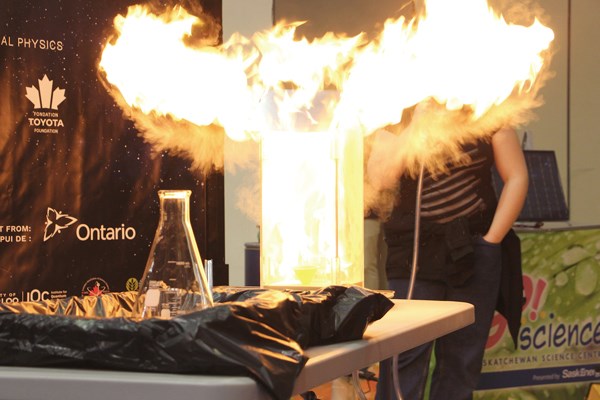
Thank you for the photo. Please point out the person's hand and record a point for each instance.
(491, 239)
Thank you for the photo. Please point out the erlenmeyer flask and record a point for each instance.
(174, 282)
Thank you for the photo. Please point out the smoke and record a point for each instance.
(248, 197)
(521, 12)
(244, 157)
(431, 136)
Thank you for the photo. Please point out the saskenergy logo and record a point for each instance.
(57, 221)
(45, 99)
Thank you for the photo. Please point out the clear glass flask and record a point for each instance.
(174, 282)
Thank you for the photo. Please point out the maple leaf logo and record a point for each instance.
(95, 287)
(55, 222)
(96, 290)
(45, 97)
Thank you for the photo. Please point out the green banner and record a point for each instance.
(558, 353)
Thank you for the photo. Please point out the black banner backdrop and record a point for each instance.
(78, 186)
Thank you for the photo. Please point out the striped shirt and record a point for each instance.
(464, 190)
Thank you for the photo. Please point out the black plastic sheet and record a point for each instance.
(253, 332)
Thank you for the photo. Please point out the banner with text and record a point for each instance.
(78, 185)
(558, 353)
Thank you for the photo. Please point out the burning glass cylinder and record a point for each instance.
(312, 209)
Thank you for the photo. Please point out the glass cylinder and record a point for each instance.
(174, 281)
(312, 209)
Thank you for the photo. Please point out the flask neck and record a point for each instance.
(174, 206)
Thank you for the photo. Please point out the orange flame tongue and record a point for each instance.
(460, 53)
(474, 57)
(156, 71)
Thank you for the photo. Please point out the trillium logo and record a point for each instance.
(44, 96)
(55, 222)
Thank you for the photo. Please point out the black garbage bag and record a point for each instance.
(339, 314)
(254, 332)
(332, 314)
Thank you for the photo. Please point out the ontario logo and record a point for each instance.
(45, 99)
(57, 221)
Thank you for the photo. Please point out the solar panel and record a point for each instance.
(545, 197)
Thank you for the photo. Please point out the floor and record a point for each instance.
(343, 389)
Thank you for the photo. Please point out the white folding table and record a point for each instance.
(408, 324)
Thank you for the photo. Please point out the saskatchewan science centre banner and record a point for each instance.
(558, 354)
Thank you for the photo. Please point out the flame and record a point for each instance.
(459, 71)
(459, 54)
(311, 230)
(156, 71)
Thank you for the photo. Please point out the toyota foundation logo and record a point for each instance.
(45, 99)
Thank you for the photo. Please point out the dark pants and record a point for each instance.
(459, 354)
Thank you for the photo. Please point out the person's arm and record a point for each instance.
(512, 168)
